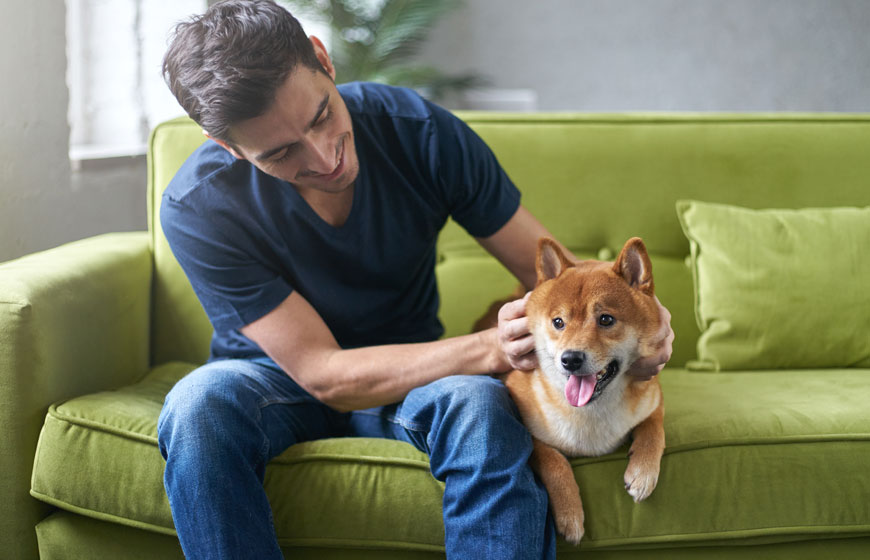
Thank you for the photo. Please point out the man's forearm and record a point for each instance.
(362, 378)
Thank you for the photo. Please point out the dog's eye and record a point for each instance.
(558, 323)
(606, 320)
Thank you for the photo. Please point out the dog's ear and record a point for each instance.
(551, 260)
(634, 265)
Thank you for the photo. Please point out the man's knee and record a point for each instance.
(475, 427)
(201, 405)
(476, 394)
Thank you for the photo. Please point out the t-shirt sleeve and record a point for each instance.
(234, 286)
(481, 196)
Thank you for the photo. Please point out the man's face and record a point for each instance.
(305, 137)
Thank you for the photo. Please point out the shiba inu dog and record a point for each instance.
(590, 321)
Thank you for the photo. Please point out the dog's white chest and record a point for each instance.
(597, 428)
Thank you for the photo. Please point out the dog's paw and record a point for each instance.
(640, 481)
(571, 527)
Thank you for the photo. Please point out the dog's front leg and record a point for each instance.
(557, 476)
(645, 455)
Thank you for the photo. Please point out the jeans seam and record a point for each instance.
(263, 403)
(267, 401)
(394, 419)
(264, 447)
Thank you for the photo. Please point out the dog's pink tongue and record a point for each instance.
(579, 389)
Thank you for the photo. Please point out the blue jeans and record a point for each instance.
(221, 424)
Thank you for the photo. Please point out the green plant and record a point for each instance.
(377, 40)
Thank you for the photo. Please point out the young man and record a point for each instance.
(307, 227)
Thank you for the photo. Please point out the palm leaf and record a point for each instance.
(376, 40)
(404, 25)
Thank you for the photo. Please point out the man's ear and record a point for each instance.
(323, 56)
(634, 266)
(551, 261)
(226, 146)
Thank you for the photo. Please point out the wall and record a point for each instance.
(579, 55)
(36, 202)
(44, 200)
(666, 55)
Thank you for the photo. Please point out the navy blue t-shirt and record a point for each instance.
(246, 240)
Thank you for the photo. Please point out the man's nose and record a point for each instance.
(322, 155)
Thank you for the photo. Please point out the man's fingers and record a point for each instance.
(644, 373)
(515, 328)
(647, 367)
(665, 322)
(519, 347)
(515, 339)
(513, 310)
(527, 362)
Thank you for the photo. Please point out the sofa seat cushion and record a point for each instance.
(751, 457)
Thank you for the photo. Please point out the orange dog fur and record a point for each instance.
(590, 321)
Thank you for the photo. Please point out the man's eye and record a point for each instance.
(325, 119)
(285, 156)
(288, 152)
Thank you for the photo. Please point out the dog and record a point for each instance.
(590, 321)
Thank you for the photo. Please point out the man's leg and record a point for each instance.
(219, 427)
(494, 507)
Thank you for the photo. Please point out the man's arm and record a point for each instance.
(300, 342)
(297, 338)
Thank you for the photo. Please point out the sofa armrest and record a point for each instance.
(73, 320)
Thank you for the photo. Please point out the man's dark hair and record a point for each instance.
(226, 65)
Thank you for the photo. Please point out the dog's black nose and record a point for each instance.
(572, 360)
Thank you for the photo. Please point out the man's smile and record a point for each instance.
(335, 173)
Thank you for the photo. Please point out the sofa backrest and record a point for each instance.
(594, 181)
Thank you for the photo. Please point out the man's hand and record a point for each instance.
(648, 367)
(514, 337)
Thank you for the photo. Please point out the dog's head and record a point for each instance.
(591, 320)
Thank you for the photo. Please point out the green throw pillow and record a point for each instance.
(779, 288)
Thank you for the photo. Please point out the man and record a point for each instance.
(307, 228)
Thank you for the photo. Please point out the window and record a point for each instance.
(115, 52)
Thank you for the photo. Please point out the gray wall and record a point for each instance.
(43, 202)
(580, 55)
(34, 168)
(667, 55)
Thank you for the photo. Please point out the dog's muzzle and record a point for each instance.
(603, 379)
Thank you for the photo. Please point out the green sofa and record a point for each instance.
(773, 463)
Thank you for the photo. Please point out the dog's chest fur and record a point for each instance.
(595, 429)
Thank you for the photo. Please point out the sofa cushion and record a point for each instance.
(780, 288)
(798, 442)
